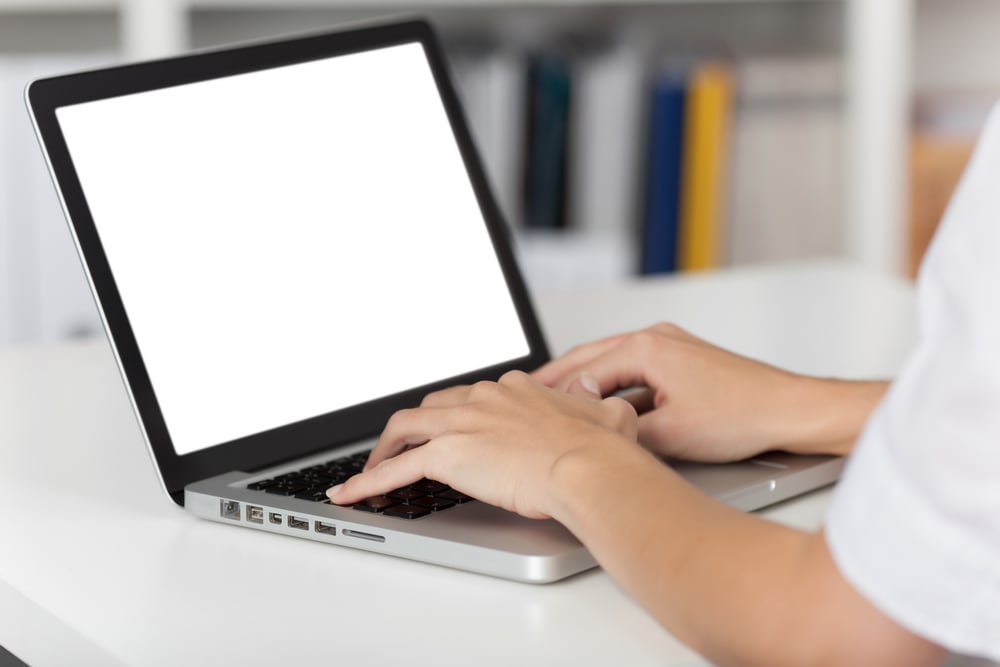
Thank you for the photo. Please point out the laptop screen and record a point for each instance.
(292, 241)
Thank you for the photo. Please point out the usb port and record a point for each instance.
(301, 524)
(274, 517)
(255, 514)
(229, 509)
(323, 528)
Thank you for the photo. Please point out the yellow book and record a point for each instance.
(703, 181)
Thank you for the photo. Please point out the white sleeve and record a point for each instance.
(915, 523)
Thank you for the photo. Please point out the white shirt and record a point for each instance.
(915, 523)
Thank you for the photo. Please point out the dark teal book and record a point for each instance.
(661, 224)
(549, 84)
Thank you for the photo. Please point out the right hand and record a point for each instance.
(701, 402)
(501, 442)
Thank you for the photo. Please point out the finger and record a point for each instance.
(623, 416)
(447, 398)
(585, 385)
(622, 366)
(388, 475)
(642, 399)
(405, 428)
(570, 363)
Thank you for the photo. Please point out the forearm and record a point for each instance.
(826, 416)
(739, 589)
(686, 559)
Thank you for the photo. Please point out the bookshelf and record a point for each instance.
(877, 52)
(875, 44)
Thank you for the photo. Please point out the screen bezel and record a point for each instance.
(318, 433)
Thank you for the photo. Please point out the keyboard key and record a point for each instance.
(318, 478)
(376, 503)
(458, 497)
(405, 495)
(282, 490)
(430, 487)
(433, 504)
(409, 502)
(314, 494)
(407, 511)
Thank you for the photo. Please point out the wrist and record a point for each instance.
(829, 413)
(582, 481)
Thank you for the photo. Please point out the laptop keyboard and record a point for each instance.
(409, 502)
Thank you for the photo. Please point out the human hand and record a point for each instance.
(496, 441)
(704, 403)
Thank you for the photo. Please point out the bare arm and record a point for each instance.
(702, 402)
(737, 588)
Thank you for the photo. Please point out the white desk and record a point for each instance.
(98, 567)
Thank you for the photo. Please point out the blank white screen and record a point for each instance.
(292, 241)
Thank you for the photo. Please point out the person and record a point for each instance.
(907, 565)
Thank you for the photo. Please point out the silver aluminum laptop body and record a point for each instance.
(482, 538)
(257, 224)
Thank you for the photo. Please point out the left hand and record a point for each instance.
(495, 441)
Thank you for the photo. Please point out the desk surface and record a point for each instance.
(98, 567)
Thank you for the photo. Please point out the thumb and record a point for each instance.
(585, 385)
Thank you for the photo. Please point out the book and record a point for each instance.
(491, 85)
(787, 174)
(708, 111)
(668, 95)
(665, 146)
(549, 86)
(606, 123)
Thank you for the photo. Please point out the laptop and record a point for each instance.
(289, 241)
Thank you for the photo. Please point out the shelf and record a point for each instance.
(56, 6)
(877, 52)
(45, 6)
(471, 4)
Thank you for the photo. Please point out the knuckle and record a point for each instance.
(398, 418)
(514, 377)
(483, 389)
(672, 330)
(644, 342)
(430, 399)
(666, 328)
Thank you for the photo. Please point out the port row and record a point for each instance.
(230, 509)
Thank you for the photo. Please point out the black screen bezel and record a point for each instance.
(322, 432)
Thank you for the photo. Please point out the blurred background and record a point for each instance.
(622, 139)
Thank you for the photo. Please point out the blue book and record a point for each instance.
(663, 176)
(549, 94)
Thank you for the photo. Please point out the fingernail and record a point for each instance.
(332, 491)
(589, 382)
